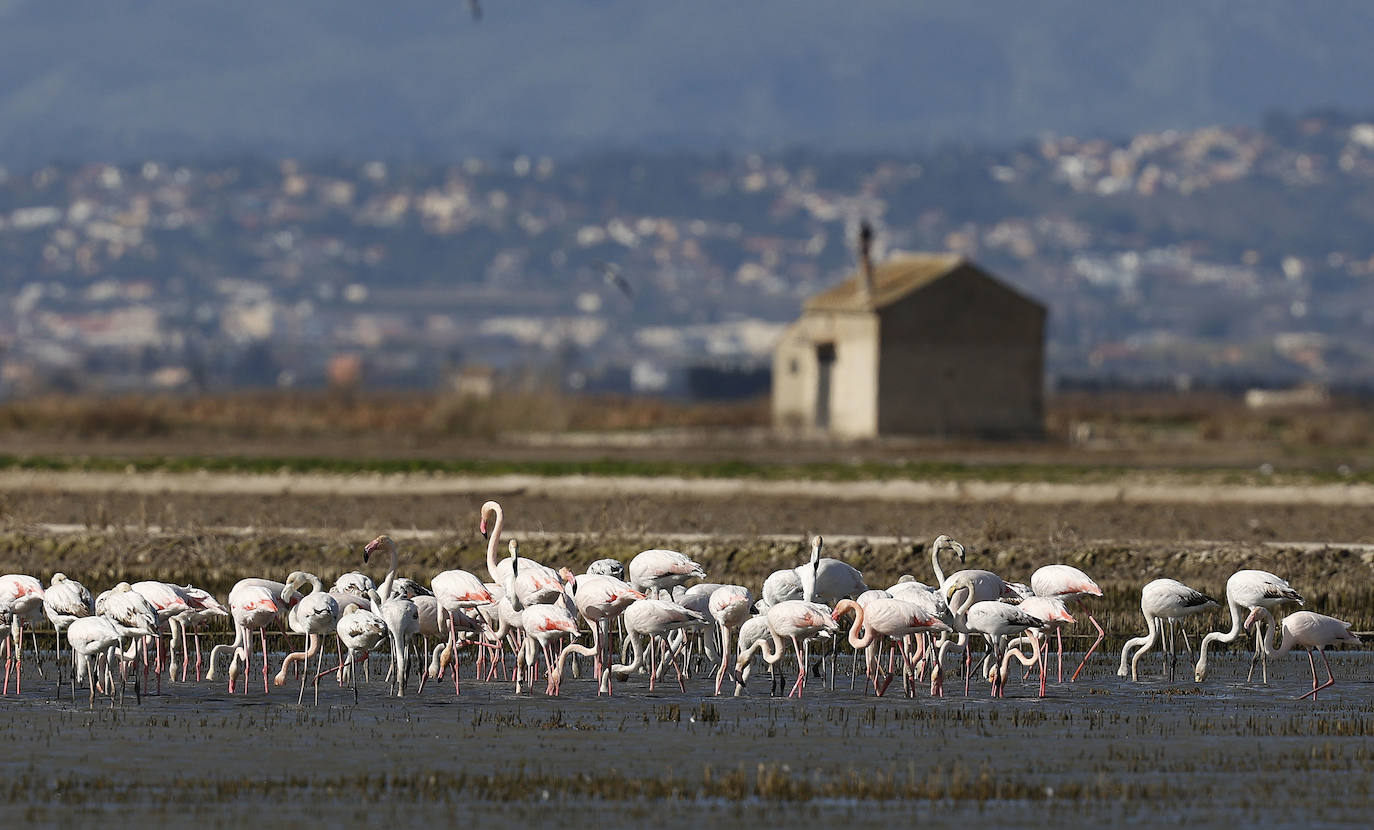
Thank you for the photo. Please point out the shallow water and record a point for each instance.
(1098, 751)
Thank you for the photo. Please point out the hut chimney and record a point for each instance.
(866, 260)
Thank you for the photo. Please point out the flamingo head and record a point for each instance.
(490, 508)
(844, 607)
(294, 580)
(943, 542)
(375, 545)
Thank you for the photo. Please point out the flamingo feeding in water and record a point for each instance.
(795, 620)
(1161, 601)
(1246, 591)
(1309, 631)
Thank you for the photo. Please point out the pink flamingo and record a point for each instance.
(653, 571)
(1307, 630)
(21, 600)
(202, 607)
(894, 619)
(795, 620)
(729, 606)
(456, 592)
(170, 603)
(254, 605)
(1067, 583)
(599, 599)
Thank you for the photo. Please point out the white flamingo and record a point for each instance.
(600, 598)
(1245, 591)
(654, 619)
(1162, 601)
(401, 616)
(316, 615)
(100, 636)
(64, 602)
(535, 583)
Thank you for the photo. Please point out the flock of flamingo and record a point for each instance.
(535, 613)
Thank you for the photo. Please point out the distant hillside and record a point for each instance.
(157, 78)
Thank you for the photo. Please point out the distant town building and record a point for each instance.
(925, 344)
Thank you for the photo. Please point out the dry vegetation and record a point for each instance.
(287, 415)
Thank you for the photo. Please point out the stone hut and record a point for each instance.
(924, 344)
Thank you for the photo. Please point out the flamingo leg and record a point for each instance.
(799, 687)
(1059, 643)
(1330, 677)
(1258, 656)
(37, 655)
(1101, 635)
(263, 633)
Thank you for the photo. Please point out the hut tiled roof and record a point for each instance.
(893, 279)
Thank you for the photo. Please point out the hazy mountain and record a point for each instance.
(88, 78)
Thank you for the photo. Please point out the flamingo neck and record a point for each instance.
(1285, 641)
(935, 563)
(494, 539)
(385, 591)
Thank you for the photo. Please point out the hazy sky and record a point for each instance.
(92, 78)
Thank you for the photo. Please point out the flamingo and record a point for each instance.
(1310, 631)
(729, 607)
(361, 631)
(129, 608)
(21, 599)
(1247, 590)
(401, 616)
(95, 636)
(169, 603)
(545, 625)
(828, 580)
(998, 620)
(1056, 615)
(316, 615)
(1068, 584)
(608, 567)
(456, 591)
(600, 598)
(1161, 600)
(202, 608)
(994, 620)
(64, 602)
(652, 571)
(780, 586)
(254, 604)
(754, 629)
(536, 583)
(983, 585)
(884, 617)
(353, 582)
(792, 619)
(654, 619)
